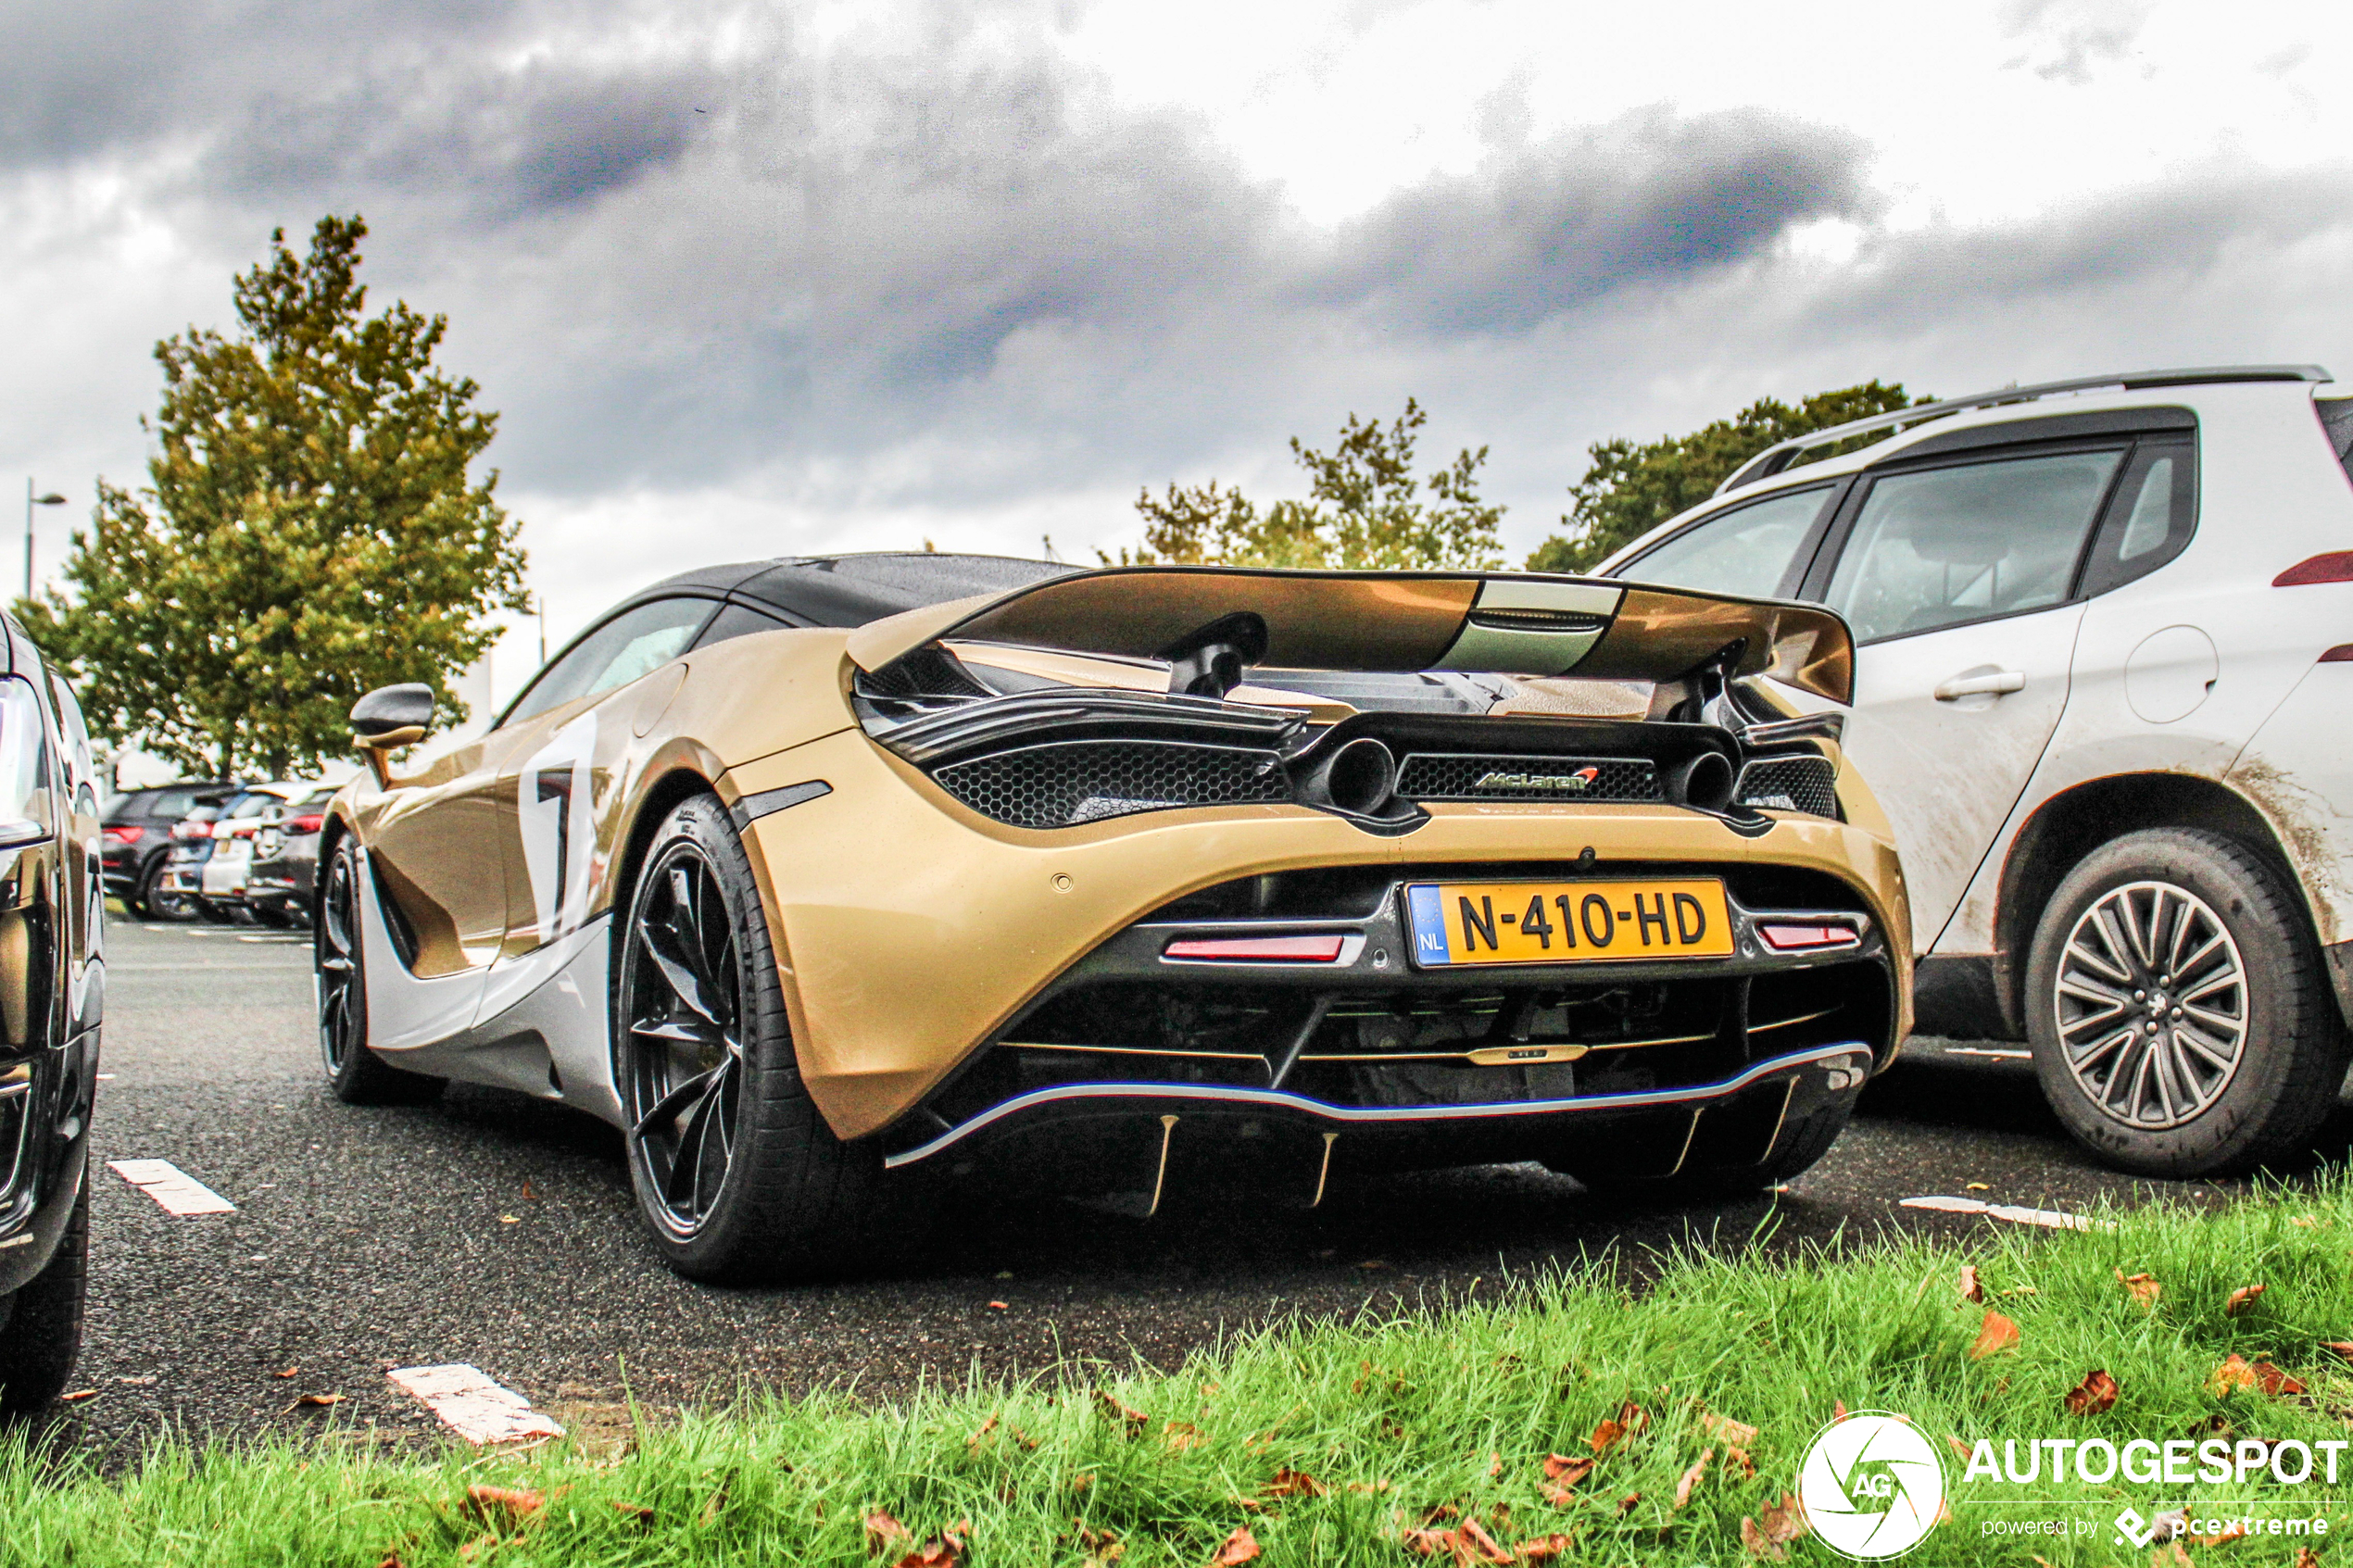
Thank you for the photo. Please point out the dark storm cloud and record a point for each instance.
(1649, 197)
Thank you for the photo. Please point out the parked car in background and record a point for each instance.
(52, 923)
(213, 845)
(282, 878)
(136, 829)
(2102, 674)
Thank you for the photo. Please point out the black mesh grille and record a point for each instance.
(1066, 782)
(1791, 783)
(1429, 775)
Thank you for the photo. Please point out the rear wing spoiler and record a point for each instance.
(1224, 618)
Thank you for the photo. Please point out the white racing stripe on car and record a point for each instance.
(177, 1192)
(2050, 1219)
(478, 1410)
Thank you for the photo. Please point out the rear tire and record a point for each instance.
(2181, 1017)
(151, 902)
(208, 911)
(356, 1075)
(737, 1173)
(41, 1324)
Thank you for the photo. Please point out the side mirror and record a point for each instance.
(388, 718)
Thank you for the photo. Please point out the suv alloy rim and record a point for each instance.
(683, 1068)
(338, 966)
(2152, 1005)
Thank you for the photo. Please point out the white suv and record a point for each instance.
(2104, 676)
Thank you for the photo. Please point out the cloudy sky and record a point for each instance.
(748, 280)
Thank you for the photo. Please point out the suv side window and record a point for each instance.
(1939, 547)
(1752, 550)
(634, 642)
(2152, 518)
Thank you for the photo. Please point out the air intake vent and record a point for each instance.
(1434, 775)
(1791, 783)
(1066, 782)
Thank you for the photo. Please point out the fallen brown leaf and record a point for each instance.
(1181, 1435)
(1543, 1548)
(289, 1372)
(1136, 1420)
(2305, 1558)
(1625, 1504)
(1482, 1544)
(2096, 1393)
(1996, 1334)
(943, 1551)
(2234, 1373)
(315, 1400)
(2241, 1300)
(883, 1531)
(2274, 1382)
(1691, 1477)
(1001, 1305)
(1605, 1437)
(1837, 1409)
(635, 1510)
(1495, 1465)
(1753, 1542)
(1736, 1455)
(1980, 1186)
(2231, 1532)
(1723, 1428)
(972, 1443)
(1240, 1546)
(76, 1396)
(1103, 1547)
(490, 1504)
(1630, 1418)
(1970, 1286)
(2144, 1288)
(1562, 1474)
(2171, 1555)
(466, 1553)
(392, 1560)
(1290, 1483)
(1957, 1445)
(1784, 1521)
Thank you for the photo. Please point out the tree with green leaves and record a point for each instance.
(309, 529)
(1631, 489)
(1364, 508)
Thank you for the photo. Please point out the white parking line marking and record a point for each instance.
(2050, 1219)
(479, 1409)
(174, 1188)
(1997, 1056)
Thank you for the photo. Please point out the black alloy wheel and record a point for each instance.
(735, 1171)
(683, 1005)
(356, 1075)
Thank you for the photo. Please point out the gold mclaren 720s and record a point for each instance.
(831, 881)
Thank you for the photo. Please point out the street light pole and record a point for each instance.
(30, 501)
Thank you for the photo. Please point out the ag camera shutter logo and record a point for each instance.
(1873, 1485)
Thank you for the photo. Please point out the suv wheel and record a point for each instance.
(151, 902)
(2180, 1016)
(41, 1324)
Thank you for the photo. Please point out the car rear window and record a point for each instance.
(2336, 417)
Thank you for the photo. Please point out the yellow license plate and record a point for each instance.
(1467, 923)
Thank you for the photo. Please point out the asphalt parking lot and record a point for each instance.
(497, 1231)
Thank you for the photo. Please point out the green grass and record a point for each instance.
(1448, 1404)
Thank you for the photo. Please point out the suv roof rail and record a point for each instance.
(1774, 458)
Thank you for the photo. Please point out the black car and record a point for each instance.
(280, 884)
(137, 838)
(52, 927)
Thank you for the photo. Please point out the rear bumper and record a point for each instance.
(1113, 1131)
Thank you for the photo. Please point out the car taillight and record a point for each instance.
(237, 830)
(122, 835)
(2335, 567)
(310, 823)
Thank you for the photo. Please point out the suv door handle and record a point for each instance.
(1995, 684)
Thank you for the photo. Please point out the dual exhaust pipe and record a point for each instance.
(1359, 781)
